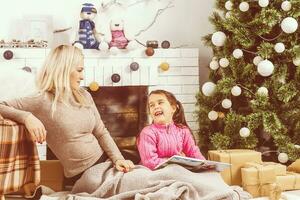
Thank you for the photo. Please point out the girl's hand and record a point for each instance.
(36, 129)
(124, 165)
(182, 154)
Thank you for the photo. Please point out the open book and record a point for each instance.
(194, 164)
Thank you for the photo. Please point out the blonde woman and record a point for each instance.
(66, 115)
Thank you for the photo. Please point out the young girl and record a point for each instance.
(169, 133)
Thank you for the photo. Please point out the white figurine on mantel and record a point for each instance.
(119, 38)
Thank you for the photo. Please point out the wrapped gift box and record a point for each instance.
(236, 157)
(52, 174)
(279, 169)
(291, 181)
(272, 191)
(295, 166)
(260, 180)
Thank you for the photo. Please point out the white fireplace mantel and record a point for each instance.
(182, 78)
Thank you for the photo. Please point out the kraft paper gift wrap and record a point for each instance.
(236, 157)
(260, 180)
(295, 166)
(280, 170)
(291, 181)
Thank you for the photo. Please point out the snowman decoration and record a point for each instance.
(87, 31)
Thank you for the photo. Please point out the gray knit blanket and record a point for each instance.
(173, 182)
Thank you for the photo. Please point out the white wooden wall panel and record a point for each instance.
(12, 64)
(188, 107)
(186, 98)
(153, 75)
(34, 63)
(126, 75)
(107, 72)
(190, 89)
(189, 53)
(135, 77)
(144, 74)
(99, 78)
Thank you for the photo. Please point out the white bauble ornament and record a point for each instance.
(214, 65)
(244, 6)
(244, 132)
(296, 61)
(212, 115)
(297, 146)
(236, 91)
(226, 103)
(279, 47)
(218, 38)
(228, 5)
(265, 68)
(257, 59)
(228, 15)
(289, 25)
(283, 157)
(286, 6)
(224, 62)
(237, 53)
(208, 88)
(263, 3)
(263, 91)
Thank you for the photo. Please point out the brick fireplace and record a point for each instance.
(182, 78)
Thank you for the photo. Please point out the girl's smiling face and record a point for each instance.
(160, 109)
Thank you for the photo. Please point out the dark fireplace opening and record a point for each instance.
(123, 109)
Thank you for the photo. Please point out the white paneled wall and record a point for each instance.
(182, 78)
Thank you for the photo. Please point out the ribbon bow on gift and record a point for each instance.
(260, 180)
(273, 190)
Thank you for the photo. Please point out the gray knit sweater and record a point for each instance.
(75, 134)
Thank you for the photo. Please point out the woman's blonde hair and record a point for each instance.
(54, 76)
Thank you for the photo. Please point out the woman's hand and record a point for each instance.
(124, 165)
(35, 128)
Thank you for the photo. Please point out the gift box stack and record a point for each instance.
(268, 179)
(257, 177)
(237, 158)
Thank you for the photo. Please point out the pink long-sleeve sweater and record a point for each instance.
(157, 142)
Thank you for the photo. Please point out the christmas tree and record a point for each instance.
(252, 98)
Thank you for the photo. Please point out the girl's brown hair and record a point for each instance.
(178, 117)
